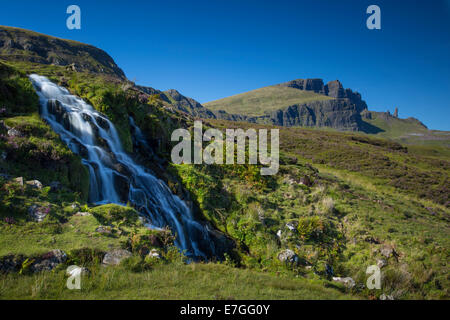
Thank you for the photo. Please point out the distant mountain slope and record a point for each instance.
(24, 45)
(300, 102)
(407, 131)
(264, 100)
(179, 102)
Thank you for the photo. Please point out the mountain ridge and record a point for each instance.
(25, 45)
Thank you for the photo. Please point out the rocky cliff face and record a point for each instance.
(23, 45)
(337, 113)
(332, 89)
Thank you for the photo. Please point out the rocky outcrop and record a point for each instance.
(337, 114)
(24, 45)
(188, 105)
(332, 89)
(179, 102)
(114, 257)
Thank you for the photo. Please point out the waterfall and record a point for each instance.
(114, 176)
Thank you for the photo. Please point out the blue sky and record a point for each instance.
(213, 49)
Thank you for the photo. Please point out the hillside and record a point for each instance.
(265, 100)
(342, 201)
(301, 102)
(24, 45)
(408, 131)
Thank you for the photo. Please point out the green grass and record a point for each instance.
(194, 281)
(261, 101)
(408, 131)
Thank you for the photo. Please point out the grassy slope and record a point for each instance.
(365, 189)
(260, 101)
(408, 131)
(173, 281)
(85, 57)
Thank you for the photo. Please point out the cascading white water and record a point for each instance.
(114, 175)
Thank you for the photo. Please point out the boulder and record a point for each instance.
(288, 256)
(35, 184)
(38, 213)
(11, 263)
(114, 257)
(14, 133)
(154, 254)
(49, 261)
(381, 263)
(279, 234)
(75, 206)
(103, 123)
(386, 297)
(347, 281)
(83, 214)
(388, 251)
(292, 225)
(306, 181)
(103, 230)
(19, 181)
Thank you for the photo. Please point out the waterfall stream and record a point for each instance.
(114, 176)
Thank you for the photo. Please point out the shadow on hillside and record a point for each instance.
(370, 128)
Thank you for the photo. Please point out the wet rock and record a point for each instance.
(222, 243)
(102, 123)
(79, 148)
(35, 184)
(38, 213)
(122, 186)
(49, 261)
(381, 263)
(288, 256)
(114, 257)
(348, 282)
(55, 107)
(122, 169)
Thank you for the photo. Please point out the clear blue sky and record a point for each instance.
(213, 49)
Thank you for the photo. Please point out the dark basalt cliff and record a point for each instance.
(333, 89)
(23, 45)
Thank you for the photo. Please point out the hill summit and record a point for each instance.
(29, 46)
